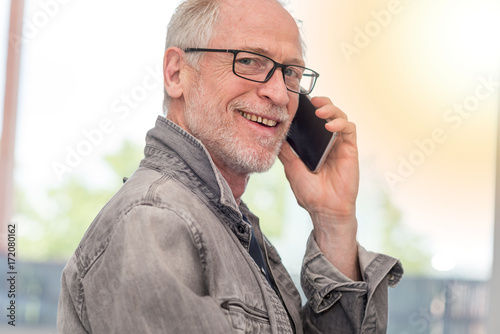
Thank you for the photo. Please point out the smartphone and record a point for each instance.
(308, 136)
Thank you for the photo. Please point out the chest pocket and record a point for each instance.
(247, 319)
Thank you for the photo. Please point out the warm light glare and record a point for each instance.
(443, 262)
(471, 35)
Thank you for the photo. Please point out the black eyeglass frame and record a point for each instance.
(276, 65)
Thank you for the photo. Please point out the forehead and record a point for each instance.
(258, 25)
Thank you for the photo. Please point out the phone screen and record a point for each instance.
(308, 136)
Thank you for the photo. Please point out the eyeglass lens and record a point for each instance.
(257, 68)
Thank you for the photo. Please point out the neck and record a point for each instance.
(237, 182)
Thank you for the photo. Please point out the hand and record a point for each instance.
(330, 195)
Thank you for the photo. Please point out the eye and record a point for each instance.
(293, 72)
(254, 62)
(245, 61)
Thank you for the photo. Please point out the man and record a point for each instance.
(176, 250)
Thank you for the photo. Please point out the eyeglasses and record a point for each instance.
(258, 68)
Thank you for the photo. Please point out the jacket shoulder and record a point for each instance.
(148, 201)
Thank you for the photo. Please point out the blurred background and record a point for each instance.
(420, 78)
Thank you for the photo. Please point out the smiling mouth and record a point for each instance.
(258, 119)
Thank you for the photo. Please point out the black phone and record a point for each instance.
(308, 136)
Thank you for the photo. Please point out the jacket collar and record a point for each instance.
(168, 136)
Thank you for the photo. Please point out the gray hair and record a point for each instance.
(191, 25)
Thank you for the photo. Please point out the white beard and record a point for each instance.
(214, 126)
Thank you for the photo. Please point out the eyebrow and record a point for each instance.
(265, 52)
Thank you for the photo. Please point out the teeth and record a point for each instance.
(258, 119)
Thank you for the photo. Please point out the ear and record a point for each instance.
(173, 63)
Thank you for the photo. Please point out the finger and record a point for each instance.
(343, 126)
(319, 101)
(330, 112)
(326, 109)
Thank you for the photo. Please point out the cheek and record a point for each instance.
(292, 106)
(221, 84)
(217, 74)
(220, 75)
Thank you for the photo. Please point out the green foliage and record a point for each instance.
(400, 241)
(126, 161)
(265, 196)
(55, 232)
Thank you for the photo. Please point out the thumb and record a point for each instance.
(287, 155)
(290, 159)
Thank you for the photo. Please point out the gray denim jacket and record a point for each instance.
(169, 254)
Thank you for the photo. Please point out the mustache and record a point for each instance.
(268, 110)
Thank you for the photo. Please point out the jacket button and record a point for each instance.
(241, 229)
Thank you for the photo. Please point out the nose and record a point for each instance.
(275, 89)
